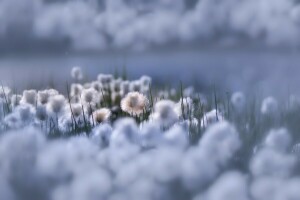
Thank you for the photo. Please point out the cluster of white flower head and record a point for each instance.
(123, 141)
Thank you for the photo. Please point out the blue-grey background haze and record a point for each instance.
(236, 44)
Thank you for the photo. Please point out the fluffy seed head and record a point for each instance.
(5, 92)
(76, 90)
(76, 73)
(164, 113)
(269, 106)
(57, 103)
(105, 79)
(43, 97)
(76, 109)
(15, 100)
(134, 103)
(135, 86)
(90, 95)
(29, 97)
(101, 115)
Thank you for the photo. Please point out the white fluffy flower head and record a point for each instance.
(164, 113)
(101, 115)
(76, 73)
(134, 103)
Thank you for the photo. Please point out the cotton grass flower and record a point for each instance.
(76, 109)
(101, 115)
(164, 113)
(184, 108)
(15, 100)
(76, 73)
(5, 92)
(115, 85)
(76, 89)
(57, 104)
(97, 86)
(90, 96)
(145, 81)
(29, 97)
(269, 106)
(43, 97)
(134, 103)
(211, 118)
(135, 86)
(278, 139)
(105, 79)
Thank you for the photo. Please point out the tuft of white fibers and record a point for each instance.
(25, 112)
(90, 96)
(29, 97)
(15, 100)
(279, 140)
(101, 115)
(101, 134)
(238, 101)
(231, 185)
(266, 188)
(269, 106)
(211, 117)
(65, 122)
(77, 73)
(76, 89)
(135, 86)
(167, 165)
(271, 163)
(115, 85)
(220, 141)
(56, 104)
(41, 113)
(52, 92)
(43, 97)
(290, 190)
(93, 185)
(151, 135)
(184, 108)
(125, 131)
(105, 79)
(195, 178)
(96, 85)
(76, 109)
(12, 120)
(176, 136)
(63, 160)
(5, 92)
(189, 91)
(134, 103)
(145, 81)
(164, 113)
(18, 154)
(89, 108)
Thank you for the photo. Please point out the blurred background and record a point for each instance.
(233, 44)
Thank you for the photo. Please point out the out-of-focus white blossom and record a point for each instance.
(77, 73)
(164, 113)
(134, 103)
